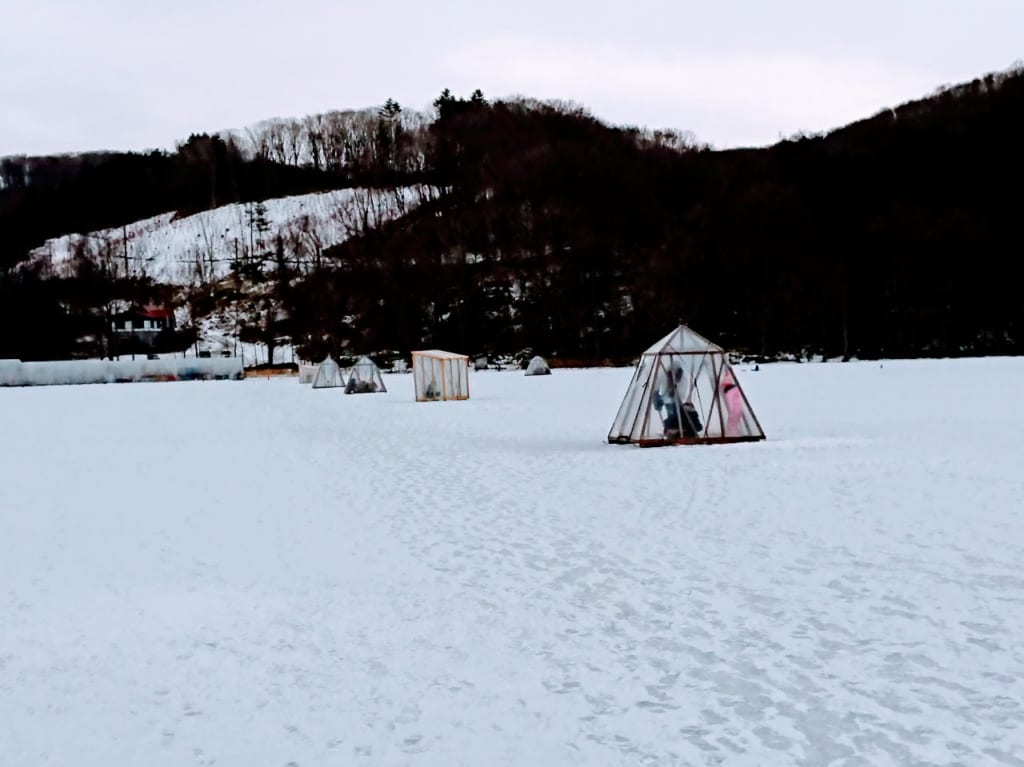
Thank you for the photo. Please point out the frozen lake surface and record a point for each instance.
(243, 573)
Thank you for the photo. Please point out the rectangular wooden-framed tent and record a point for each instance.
(440, 375)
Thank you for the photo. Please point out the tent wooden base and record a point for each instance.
(688, 441)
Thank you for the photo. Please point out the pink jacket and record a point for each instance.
(733, 401)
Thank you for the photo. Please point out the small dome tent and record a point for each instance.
(364, 378)
(328, 375)
(684, 391)
(440, 375)
(538, 367)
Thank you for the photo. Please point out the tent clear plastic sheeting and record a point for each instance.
(440, 375)
(684, 391)
(364, 378)
(307, 372)
(328, 375)
(538, 367)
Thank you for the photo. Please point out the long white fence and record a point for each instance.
(63, 372)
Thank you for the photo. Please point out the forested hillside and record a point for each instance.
(549, 230)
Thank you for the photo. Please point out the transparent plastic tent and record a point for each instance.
(328, 375)
(684, 391)
(364, 378)
(307, 372)
(538, 367)
(440, 375)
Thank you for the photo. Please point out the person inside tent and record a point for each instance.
(433, 392)
(358, 386)
(733, 403)
(680, 418)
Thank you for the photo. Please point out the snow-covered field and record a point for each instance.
(256, 573)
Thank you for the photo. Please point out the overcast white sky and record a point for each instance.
(131, 74)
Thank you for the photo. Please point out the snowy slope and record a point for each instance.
(259, 573)
(201, 247)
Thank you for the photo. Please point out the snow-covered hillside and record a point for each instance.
(199, 248)
(252, 573)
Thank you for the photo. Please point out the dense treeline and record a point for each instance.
(552, 231)
(542, 213)
(892, 236)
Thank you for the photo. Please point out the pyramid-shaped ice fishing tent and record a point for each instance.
(328, 375)
(684, 391)
(364, 378)
(538, 367)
